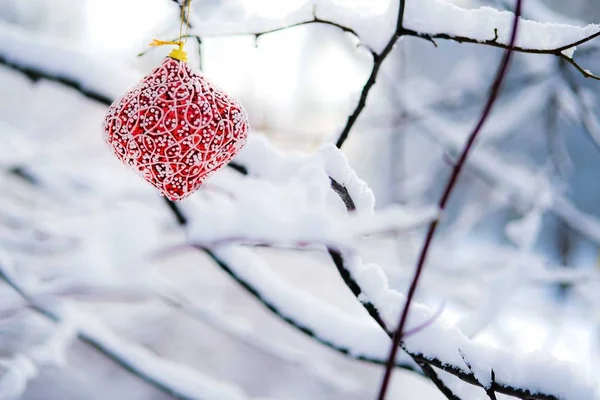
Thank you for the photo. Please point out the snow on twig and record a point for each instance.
(450, 353)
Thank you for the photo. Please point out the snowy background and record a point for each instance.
(104, 295)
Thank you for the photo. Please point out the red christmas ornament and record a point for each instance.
(175, 128)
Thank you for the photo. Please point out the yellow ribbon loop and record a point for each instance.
(178, 53)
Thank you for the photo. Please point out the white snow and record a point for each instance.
(440, 16)
(296, 206)
(264, 160)
(374, 28)
(423, 16)
(570, 51)
(249, 24)
(53, 57)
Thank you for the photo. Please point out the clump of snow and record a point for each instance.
(375, 27)
(264, 160)
(338, 168)
(265, 218)
(570, 52)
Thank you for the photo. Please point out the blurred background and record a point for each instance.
(70, 213)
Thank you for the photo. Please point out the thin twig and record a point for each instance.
(584, 72)
(587, 113)
(378, 59)
(315, 20)
(495, 43)
(362, 101)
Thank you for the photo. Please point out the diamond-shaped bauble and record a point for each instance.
(175, 128)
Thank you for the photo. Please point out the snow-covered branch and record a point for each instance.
(456, 354)
(174, 380)
(43, 58)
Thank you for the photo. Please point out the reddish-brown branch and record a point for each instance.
(495, 91)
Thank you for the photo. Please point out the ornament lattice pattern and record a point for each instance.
(175, 128)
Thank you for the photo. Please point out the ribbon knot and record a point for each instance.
(177, 53)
